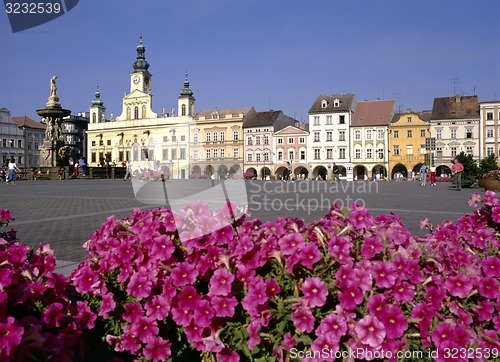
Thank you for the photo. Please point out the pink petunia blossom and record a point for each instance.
(303, 320)
(489, 287)
(315, 292)
(309, 255)
(291, 243)
(371, 246)
(157, 307)
(188, 298)
(404, 292)
(395, 322)
(350, 298)
(145, 329)
(220, 283)
(224, 306)
(332, 325)
(484, 310)
(158, 349)
(11, 334)
(370, 331)
(86, 280)
(459, 285)
(384, 274)
(377, 306)
(133, 311)
(475, 199)
(108, 305)
(359, 217)
(203, 313)
(227, 355)
(183, 274)
(326, 347)
(140, 285)
(491, 266)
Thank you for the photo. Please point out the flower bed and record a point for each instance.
(349, 283)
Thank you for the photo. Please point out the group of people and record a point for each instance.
(75, 165)
(457, 169)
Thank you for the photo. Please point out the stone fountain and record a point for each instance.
(53, 150)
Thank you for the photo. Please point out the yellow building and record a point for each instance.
(139, 135)
(217, 142)
(407, 135)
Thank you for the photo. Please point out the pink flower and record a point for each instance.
(384, 273)
(158, 307)
(377, 306)
(188, 298)
(371, 247)
(54, 314)
(158, 349)
(226, 355)
(351, 298)
(86, 280)
(484, 310)
(145, 329)
(139, 286)
(459, 285)
(108, 305)
(442, 333)
(309, 255)
(489, 287)
(315, 292)
(203, 314)
(85, 316)
(224, 306)
(474, 199)
(10, 336)
(404, 292)
(291, 243)
(303, 320)
(359, 217)
(332, 325)
(370, 331)
(491, 266)
(183, 274)
(220, 283)
(395, 322)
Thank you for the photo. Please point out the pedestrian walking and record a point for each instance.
(336, 172)
(12, 176)
(423, 174)
(432, 170)
(128, 170)
(75, 169)
(83, 165)
(457, 168)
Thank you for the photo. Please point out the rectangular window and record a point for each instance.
(207, 137)
(469, 150)
(183, 138)
(182, 155)
(215, 153)
(341, 119)
(195, 138)
(380, 153)
(208, 154)
(302, 155)
(396, 150)
(236, 153)
(215, 136)
(329, 153)
(396, 134)
(266, 156)
(329, 120)
(409, 133)
(329, 136)
(369, 153)
(453, 134)
(249, 141)
(93, 158)
(342, 153)
(489, 116)
(316, 121)
(174, 153)
(422, 133)
(439, 134)
(222, 153)
(408, 119)
(439, 151)
(302, 140)
(290, 155)
(290, 140)
(368, 134)
(317, 153)
(341, 135)
(357, 134)
(195, 154)
(222, 136)
(164, 154)
(409, 150)
(165, 138)
(235, 136)
(357, 153)
(280, 155)
(257, 157)
(380, 134)
(423, 149)
(453, 151)
(316, 136)
(489, 133)
(489, 151)
(257, 140)
(249, 157)
(468, 133)
(266, 139)
(280, 141)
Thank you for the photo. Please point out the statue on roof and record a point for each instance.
(53, 86)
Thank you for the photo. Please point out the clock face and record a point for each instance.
(136, 79)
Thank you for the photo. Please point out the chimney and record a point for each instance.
(457, 97)
(408, 110)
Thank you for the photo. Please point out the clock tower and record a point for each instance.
(140, 78)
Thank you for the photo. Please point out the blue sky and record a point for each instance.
(262, 53)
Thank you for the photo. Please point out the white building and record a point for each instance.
(11, 140)
(455, 125)
(489, 131)
(328, 142)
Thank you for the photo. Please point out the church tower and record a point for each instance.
(97, 109)
(185, 102)
(138, 103)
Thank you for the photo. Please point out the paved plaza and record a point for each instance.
(65, 213)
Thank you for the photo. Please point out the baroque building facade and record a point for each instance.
(489, 114)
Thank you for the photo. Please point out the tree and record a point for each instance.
(488, 163)
(469, 176)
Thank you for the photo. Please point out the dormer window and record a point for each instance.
(324, 103)
(336, 103)
(215, 115)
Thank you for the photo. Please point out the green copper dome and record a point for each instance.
(186, 92)
(140, 63)
(97, 101)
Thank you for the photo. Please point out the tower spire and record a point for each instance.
(140, 63)
(97, 101)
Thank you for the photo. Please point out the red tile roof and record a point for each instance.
(374, 113)
(25, 121)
